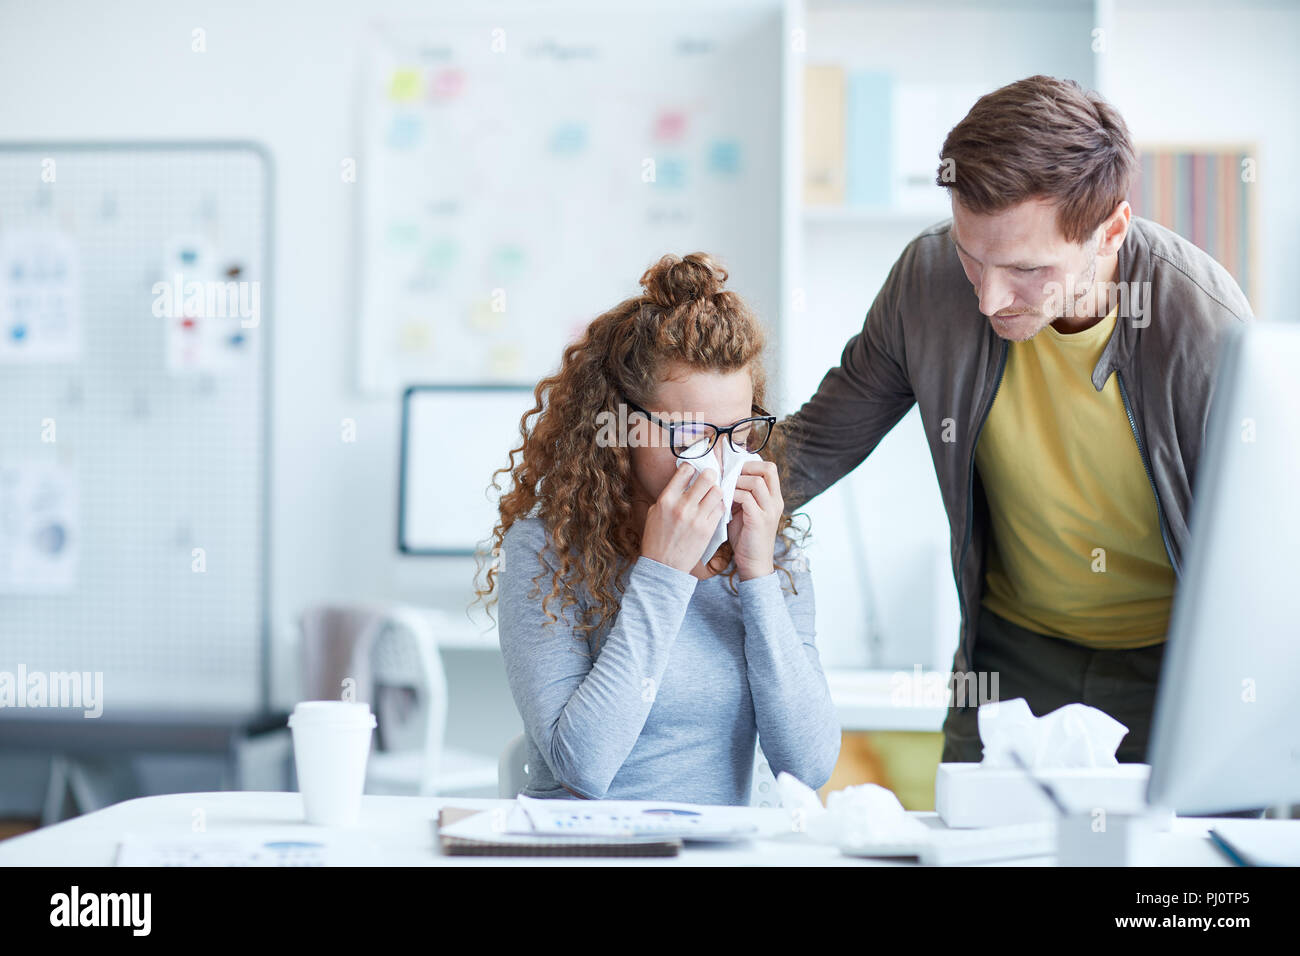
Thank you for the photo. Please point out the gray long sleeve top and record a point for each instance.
(684, 679)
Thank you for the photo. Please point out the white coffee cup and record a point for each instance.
(331, 743)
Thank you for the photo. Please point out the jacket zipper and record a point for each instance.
(970, 489)
(1160, 514)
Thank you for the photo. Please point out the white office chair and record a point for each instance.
(391, 654)
(764, 792)
(512, 775)
(512, 768)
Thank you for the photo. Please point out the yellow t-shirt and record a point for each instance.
(1075, 548)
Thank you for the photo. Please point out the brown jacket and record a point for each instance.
(925, 341)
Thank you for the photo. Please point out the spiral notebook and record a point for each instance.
(485, 841)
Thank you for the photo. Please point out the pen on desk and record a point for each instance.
(1227, 850)
(1051, 794)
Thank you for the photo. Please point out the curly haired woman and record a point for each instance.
(662, 668)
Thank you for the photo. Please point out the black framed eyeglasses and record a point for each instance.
(696, 439)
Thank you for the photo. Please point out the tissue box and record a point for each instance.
(972, 795)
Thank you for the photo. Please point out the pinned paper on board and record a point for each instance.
(40, 307)
(38, 528)
(209, 315)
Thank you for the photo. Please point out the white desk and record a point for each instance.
(870, 700)
(402, 829)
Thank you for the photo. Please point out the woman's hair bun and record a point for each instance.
(676, 280)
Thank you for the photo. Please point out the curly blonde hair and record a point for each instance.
(683, 317)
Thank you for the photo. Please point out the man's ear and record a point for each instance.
(1114, 229)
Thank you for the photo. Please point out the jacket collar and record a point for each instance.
(1123, 338)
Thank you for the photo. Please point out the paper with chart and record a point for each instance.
(255, 845)
(641, 818)
(40, 307)
(39, 537)
(533, 820)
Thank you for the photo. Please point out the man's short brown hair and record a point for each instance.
(1041, 138)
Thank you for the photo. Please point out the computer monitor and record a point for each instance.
(453, 438)
(1226, 728)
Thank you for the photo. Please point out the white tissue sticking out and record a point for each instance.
(1075, 735)
(866, 813)
(732, 462)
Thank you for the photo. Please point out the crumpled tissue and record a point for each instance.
(857, 815)
(1074, 735)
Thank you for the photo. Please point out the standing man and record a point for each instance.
(1062, 353)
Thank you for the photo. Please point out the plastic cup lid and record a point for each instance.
(332, 712)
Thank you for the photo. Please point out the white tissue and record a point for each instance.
(732, 462)
(1074, 735)
(865, 813)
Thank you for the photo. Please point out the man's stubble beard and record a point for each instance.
(1087, 281)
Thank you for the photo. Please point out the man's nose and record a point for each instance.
(994, 295)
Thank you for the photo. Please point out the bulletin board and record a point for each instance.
(519, 172)
(134, 312)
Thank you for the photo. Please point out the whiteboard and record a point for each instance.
(133, 431)
(519, 173)
(453, 438)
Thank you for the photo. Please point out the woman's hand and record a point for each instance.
(752, 531)
(680, 523)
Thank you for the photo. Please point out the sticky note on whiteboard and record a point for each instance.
(724, 157)
(504, 361)
(404, 85)
(670, 126)
(447, 84)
